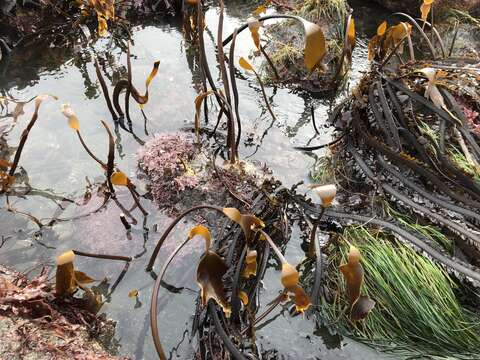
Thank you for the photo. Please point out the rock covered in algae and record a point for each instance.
(36, 325)
(287, 44)
(182, 174)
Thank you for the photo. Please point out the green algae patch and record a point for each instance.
(417, 311)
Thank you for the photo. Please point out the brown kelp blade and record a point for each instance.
(65, 276)
(302, 300)
(202, 231)
(210, 271)
(82, 278)
(315, 45)
(249, 223)
(198, 105)
(143, 99)
(250, 268)
(254, 27)
(68, 112)
(350, 39)
(353, 273)
(290, 276)
(118, 178)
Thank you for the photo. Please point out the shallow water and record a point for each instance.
(54, 160)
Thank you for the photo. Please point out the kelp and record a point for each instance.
(23, 139)
(126, 85)
(247, 66)
(360, 305)
(113, 177)
(212, 269)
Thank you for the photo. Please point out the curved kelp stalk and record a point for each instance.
(315, 46)
(113, 177)
(224, 101)
(348, 46)
(127, 85)
(210, 271)
(245, 221)
(246, 66)
(23, 139)
(420, 30)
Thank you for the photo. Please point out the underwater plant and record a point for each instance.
(417, 312)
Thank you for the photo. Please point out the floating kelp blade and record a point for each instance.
(315, 45)
(326, 193)
(243, 297)
(432, 91)
(302, 300)
(202, 231)
(198, 106)
(254, 27)
(210, 272)
(245, 64)
(82, 278)
(250, 268)
(425, 8)
(375, 44)
(382, 28)
(73, 122)
(65, 276)
(354, 274)
(290, 276)
(261, 9)
(120, 179)
(249, 223)
(350, 38)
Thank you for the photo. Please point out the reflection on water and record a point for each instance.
(56, 167)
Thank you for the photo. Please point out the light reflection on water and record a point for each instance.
(53, 159)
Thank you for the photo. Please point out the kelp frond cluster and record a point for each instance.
(417, 311)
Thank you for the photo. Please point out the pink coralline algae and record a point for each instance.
(164, 159)
(470, 115)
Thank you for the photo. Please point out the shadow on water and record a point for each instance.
(60, 174)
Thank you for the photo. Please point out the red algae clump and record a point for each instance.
(182, 174)
(164, 159)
